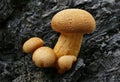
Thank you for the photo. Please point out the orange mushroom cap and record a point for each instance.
(72, 21)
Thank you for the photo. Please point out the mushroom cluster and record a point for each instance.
(72, 24)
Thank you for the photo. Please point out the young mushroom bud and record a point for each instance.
(44, 57)
(65, 63)
(32, 44)
(72, 24)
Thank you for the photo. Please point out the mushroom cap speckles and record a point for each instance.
(73, 20)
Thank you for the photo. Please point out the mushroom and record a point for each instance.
(32, 44)
(65, 63)
(44, 57)
(72, 24)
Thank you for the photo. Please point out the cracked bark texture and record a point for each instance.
(99, 57)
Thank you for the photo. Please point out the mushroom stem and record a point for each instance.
(68, 44)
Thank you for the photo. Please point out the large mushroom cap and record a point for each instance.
(73, 20)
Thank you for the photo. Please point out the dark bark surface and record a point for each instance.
(99, 57)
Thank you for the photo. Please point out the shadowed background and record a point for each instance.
(99, 57)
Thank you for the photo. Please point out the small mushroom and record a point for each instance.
(72, 24)
(32, 44)
(44, 57)
(65, 63)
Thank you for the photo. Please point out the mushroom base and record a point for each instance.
(68, 44)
